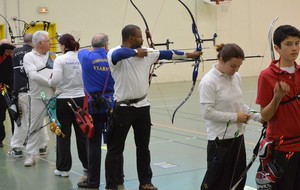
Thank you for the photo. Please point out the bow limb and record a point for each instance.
(255, 150)
(151, 45)
(197, 60)
(255, 153)
(147, 31)
(270, 37)
(12, 37)
(149, 40)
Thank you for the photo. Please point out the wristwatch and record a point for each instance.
(136, 51)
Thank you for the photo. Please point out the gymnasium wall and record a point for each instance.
(245, 22)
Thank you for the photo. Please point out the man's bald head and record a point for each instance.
(27, 38)
(100, 41)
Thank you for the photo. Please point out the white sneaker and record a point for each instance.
(30, 160)
(61, 173)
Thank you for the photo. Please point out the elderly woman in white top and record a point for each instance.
(67, 79)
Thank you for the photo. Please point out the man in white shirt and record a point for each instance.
(38, 65)
(130, 66)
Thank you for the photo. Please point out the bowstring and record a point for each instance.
(155, 78)
(152, 45)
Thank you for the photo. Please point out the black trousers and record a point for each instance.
(290, 180)
(226, 160)
(123, 119)
(94, 150)
(3, 108)
(66, 118)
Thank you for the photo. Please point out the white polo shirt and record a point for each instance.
(220, 99)
(131, 76)
(34, 63)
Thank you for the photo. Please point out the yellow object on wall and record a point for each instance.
(2, 31)
(52, 33)
(51, 29)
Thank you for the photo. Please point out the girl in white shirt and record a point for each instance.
(67, 79)
(225, 114)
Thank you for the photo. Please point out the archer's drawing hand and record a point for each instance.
(142, 52)
(243, 117)
(281, 89)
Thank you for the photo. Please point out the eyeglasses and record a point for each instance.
(46, 41)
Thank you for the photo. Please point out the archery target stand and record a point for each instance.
(217, 2)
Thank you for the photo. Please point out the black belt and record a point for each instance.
(131, 101)
(297, 97)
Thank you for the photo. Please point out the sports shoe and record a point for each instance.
(1, 145)
(15, 152)
(30, 160)
(147, 186)
(84, 184)
(43, 151)
(61, 173)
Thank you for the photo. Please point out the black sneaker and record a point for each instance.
(147, 186)
(84, 184)
(1, 145)
(43, 151)
(15, 152)
(120, 181)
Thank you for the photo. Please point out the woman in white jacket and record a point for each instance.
(67, 79)
(225, 114)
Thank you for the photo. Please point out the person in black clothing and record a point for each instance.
(20, 89)
(6, 78)
(20, 77)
